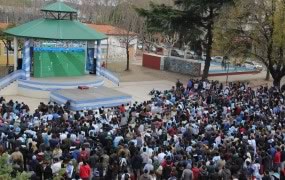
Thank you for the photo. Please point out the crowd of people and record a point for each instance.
(199, 130)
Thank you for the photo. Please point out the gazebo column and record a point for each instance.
(90, 56)
(98, 58)
(27, 59)
(15, 53)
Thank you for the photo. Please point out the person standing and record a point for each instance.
(187, 173)
(48, 172)
(85, 171)
(277, 159)
(69, 170)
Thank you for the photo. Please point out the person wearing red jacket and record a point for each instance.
(172, 131)
(85, 171)
(196, 172)
(277, 159)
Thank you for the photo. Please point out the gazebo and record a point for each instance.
(41, 43)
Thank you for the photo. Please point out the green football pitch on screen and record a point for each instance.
(59, 64)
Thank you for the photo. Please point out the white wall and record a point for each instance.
(116, 51)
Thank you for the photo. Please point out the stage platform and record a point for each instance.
(57, 83)
(91, 98)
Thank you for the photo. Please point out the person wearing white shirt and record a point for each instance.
(256, 169)
(144, 156)
(56, 167)
(73, 137)
(49, 117)
(96, 128)
(141, 128)
(204, 84)
(149, 167)
(218, 140)
(63, 136)
(117, 140)
(161, 156)
(252, 143)
(216, 158)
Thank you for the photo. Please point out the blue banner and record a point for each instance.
(52, 49)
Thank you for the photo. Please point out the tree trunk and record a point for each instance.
(277, 81)
(267, 75)
(128, 58)
(180, 41)
(7, 53)
(209, 46)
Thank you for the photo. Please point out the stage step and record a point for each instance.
(91, 98)
(50, 86)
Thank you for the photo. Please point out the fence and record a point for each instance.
(110, 75)
(5, 81)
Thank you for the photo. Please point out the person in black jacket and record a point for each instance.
(35, 166)
(48, 173)
(137, 164)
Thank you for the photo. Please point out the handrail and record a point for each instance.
(109, 75)
(5, 81)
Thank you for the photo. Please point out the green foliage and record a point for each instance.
(6, 170)
(193, 20)
(255, 29)
(22, 176)
(279, 22)
(60, 175)
(160, 18)
(168, 20)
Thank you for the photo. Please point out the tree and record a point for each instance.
(170, 23)
(125, 18)
(207, 11)
(258, 30)
(6, 170)
(187, 17)
(7, 42)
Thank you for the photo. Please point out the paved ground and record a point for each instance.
(139, 81)
(139, 90)
(32, 102)
(139, 73)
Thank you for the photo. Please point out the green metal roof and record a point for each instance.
(59, 7)
(56, 29)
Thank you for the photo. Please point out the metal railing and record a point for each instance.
(110, 75)
(8, 79)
